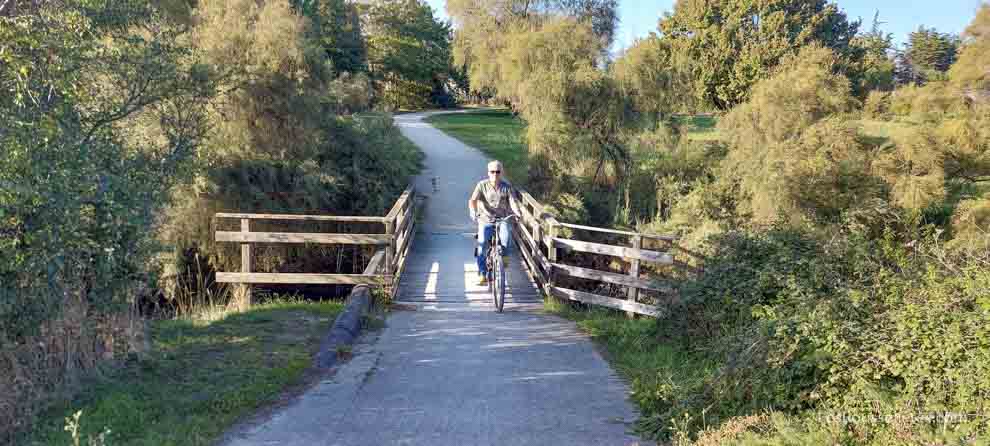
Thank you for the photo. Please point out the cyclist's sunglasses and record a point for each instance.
(494, 171)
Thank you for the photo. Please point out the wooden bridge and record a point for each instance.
(628, 277)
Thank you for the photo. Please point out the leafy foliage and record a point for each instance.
(408, 53)
(652, 75)
(103, 112)
(734, 44)
(970, 72)
(789, 158)
(484, 27)
(856, 328)
(126, 125)
(927, 55)
(872, 68)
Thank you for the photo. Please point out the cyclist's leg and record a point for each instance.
(505, 236)
(485, 234)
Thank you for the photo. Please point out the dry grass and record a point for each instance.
(46, 367)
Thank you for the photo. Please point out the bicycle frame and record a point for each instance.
(496, 269)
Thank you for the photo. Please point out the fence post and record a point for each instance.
(552, 255)
(243, 292)
(390, 248)
(633, 292)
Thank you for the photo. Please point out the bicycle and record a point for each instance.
(496, 269)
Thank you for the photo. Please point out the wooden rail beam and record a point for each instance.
(301, 237)
(301, 278)
(619, 304)
(300, 217)
(617, 251)
(609, 277)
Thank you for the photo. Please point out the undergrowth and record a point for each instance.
(202, 374)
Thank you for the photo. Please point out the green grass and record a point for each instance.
(198, 379)
(496, 132)
(503, 137)
(657, 373)
(883, 131)
(699, 127)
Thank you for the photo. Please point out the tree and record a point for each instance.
(927, 55)
(971, 72)
(408, 51)
(875, 67)
(337, 26)
(102, 112)
(654, 78)
(735, 43)
(483, 27)
(789, 154)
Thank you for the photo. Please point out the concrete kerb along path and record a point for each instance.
(454, 372)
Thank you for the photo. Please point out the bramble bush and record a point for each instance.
(807, 325)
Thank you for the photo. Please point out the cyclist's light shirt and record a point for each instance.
(493, 200)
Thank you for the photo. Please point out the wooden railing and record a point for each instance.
(541, 241)
(383, 269)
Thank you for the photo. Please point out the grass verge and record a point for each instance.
(655, 372)
(699, 127)
(199, 378)
(496, 132)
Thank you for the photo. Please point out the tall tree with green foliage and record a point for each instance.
(483, 27)
(927, 55)
(735, 43)
(653, 76)
(408, 52)
(337, 26)
(873, 68)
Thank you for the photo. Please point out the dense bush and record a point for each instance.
(78, 196)
(877, 105)
(847, 327)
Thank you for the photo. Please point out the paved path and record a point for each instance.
(454, 372)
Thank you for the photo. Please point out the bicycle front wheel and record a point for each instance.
(498, 288)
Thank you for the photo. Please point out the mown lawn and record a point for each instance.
(496, 132)
(699, 127)
(198, 379)
(503, 137)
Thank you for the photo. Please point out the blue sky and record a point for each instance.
(639, 17)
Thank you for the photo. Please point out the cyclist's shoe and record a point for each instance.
(482, 280)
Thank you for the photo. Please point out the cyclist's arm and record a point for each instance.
(473, 201)
(477, 198)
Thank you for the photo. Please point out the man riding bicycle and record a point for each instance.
(493, 199)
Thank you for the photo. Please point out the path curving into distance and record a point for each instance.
(454, 372)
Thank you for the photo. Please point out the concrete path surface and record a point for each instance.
(454, 372)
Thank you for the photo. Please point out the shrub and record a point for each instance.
(791, 154)
(877, 105)
(78, 197)
(864, 328)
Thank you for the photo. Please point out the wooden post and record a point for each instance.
(243, 294)
(552, 253)
(390, 248)
(537, 237)
(637, 243)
